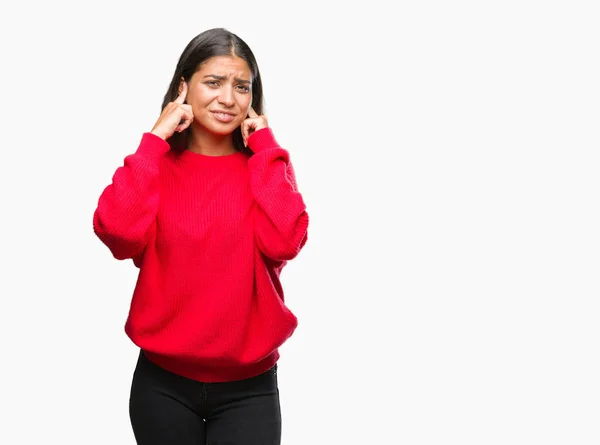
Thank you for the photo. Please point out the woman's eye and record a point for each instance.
(212, 83)
(244, 88)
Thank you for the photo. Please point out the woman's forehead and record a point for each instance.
(225, 66)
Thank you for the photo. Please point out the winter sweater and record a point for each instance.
(210, 236)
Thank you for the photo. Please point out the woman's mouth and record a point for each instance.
(223, 117)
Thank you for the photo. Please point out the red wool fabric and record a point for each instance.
(210, 235)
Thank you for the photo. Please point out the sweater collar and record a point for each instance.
(190, 157)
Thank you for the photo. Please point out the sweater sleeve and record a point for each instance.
(127, 207)
(280, 217)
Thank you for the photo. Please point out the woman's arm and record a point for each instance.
(127, 207)
(280, 217)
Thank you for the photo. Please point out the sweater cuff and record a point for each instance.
(262, 139)
(152, 147)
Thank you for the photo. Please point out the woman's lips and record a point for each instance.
(223, 117)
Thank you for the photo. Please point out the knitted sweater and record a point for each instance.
(210, 236)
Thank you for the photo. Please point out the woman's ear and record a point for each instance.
(181, 82)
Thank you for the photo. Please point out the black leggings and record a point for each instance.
(168, 409)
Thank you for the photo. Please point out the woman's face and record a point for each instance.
(220, 94)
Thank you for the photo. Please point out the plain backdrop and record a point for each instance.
(448, 156)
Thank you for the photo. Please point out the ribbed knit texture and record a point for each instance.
(210, 235)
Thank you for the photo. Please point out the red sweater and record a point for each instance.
(210, 235)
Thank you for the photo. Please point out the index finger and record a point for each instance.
(181, 98)
(252, 113)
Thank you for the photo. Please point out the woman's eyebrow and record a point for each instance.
(215, 76)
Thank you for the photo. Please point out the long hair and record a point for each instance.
(211, 43)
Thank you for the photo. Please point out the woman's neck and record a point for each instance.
(210, 144)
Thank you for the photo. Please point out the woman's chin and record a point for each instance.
(219, 129)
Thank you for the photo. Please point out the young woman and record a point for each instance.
(208, 209)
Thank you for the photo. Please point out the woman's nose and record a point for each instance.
(226, 96)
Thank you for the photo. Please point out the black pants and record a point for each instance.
(168, 409)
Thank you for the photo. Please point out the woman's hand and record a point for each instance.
(252, 124)
(176, 116)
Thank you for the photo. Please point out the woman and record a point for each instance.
(209, 210)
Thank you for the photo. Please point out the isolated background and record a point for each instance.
(448, 156)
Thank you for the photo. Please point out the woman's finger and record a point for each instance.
(244, 129)
(181, 98)
(187, 116)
